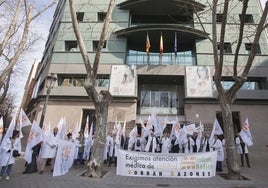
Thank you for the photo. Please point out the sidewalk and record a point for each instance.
(73, 179)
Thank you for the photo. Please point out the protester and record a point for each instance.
(152, 143)
(206, 145)
(9, 147)
(48, 149)
(188, 144)
(217, 146)
(138, 143)
(110, 141)
(242, 149)
(166, 143)
(81, 148)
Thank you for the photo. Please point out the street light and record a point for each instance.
(50, 82)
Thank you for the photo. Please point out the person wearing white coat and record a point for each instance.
(242, 149)
(151, 144)
(48, 149)
(217, 146)
(188, 144)
(166, 143)
(6, 159)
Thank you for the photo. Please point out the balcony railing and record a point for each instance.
(164, 59)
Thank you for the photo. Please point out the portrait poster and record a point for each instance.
(123, 80)
(198, 81)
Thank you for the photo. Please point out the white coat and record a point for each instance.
(151, 140)
(188, 144)
(217, 146)
(166, 143)
(205, 143)
(6, 157)
(239, 147)
(49, 146)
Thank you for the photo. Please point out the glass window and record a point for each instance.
(249, 46)
(80, 16)
(145, 99)
(71, 46)
(101, 16)
(219, 18)
(95, 45)
(164, 99)
(248, 18)
(227, 49)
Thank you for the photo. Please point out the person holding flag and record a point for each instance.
(10, 146)
(242, 149)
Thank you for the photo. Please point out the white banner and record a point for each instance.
(142, 164)
(64, 158)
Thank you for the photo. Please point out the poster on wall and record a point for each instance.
(123, 80)
(198, 81)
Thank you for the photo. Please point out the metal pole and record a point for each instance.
(44, 109)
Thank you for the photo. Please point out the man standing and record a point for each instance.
(48, 149)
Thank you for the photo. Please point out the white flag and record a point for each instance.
(23, 119)
(86, 130)
(10, 130)
(215, 130)
(34, 138)
(62, 128)
(91, 131)
(246, 134)
(64, 157)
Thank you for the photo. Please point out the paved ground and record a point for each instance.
(257, 174)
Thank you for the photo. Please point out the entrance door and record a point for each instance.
(236, 121)
(90, 113)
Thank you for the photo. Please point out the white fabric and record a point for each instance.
(219, 148)
(49, 146)
(6, 157)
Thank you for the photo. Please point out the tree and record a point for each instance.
(227, 97)
(15, 35)
(100, 100)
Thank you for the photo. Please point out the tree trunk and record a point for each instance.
(95, 165)
(233, 167)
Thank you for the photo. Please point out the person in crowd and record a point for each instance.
(80, 143)
(48, 149)
(111, 147)
(88, 146)
(206, 145)
(242, 149)
(69, 137)
(138, 142)
(217, 146)
(9, 147)
(166, 143)
(188, 144)
(196, 142)
(151, 143)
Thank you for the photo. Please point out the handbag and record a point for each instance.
(15, 153)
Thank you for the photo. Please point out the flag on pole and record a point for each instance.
(23, 120)
(148, 45)
(9, 132)
(161, 44)
(86, 131)
(175, 45)
(64, 157)
(90, 136)
(62, 128)
(246, 134)
(215, 130)
(36, 136)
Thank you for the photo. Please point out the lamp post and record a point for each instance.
(50, 82)
(32, 167)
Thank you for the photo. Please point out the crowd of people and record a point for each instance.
(135, 141)
(167, 143)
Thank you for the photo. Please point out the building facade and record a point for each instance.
(157, 59)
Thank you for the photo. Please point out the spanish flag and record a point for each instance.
(161, 44)
(148, 45)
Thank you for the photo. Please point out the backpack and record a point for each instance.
(138, 143)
